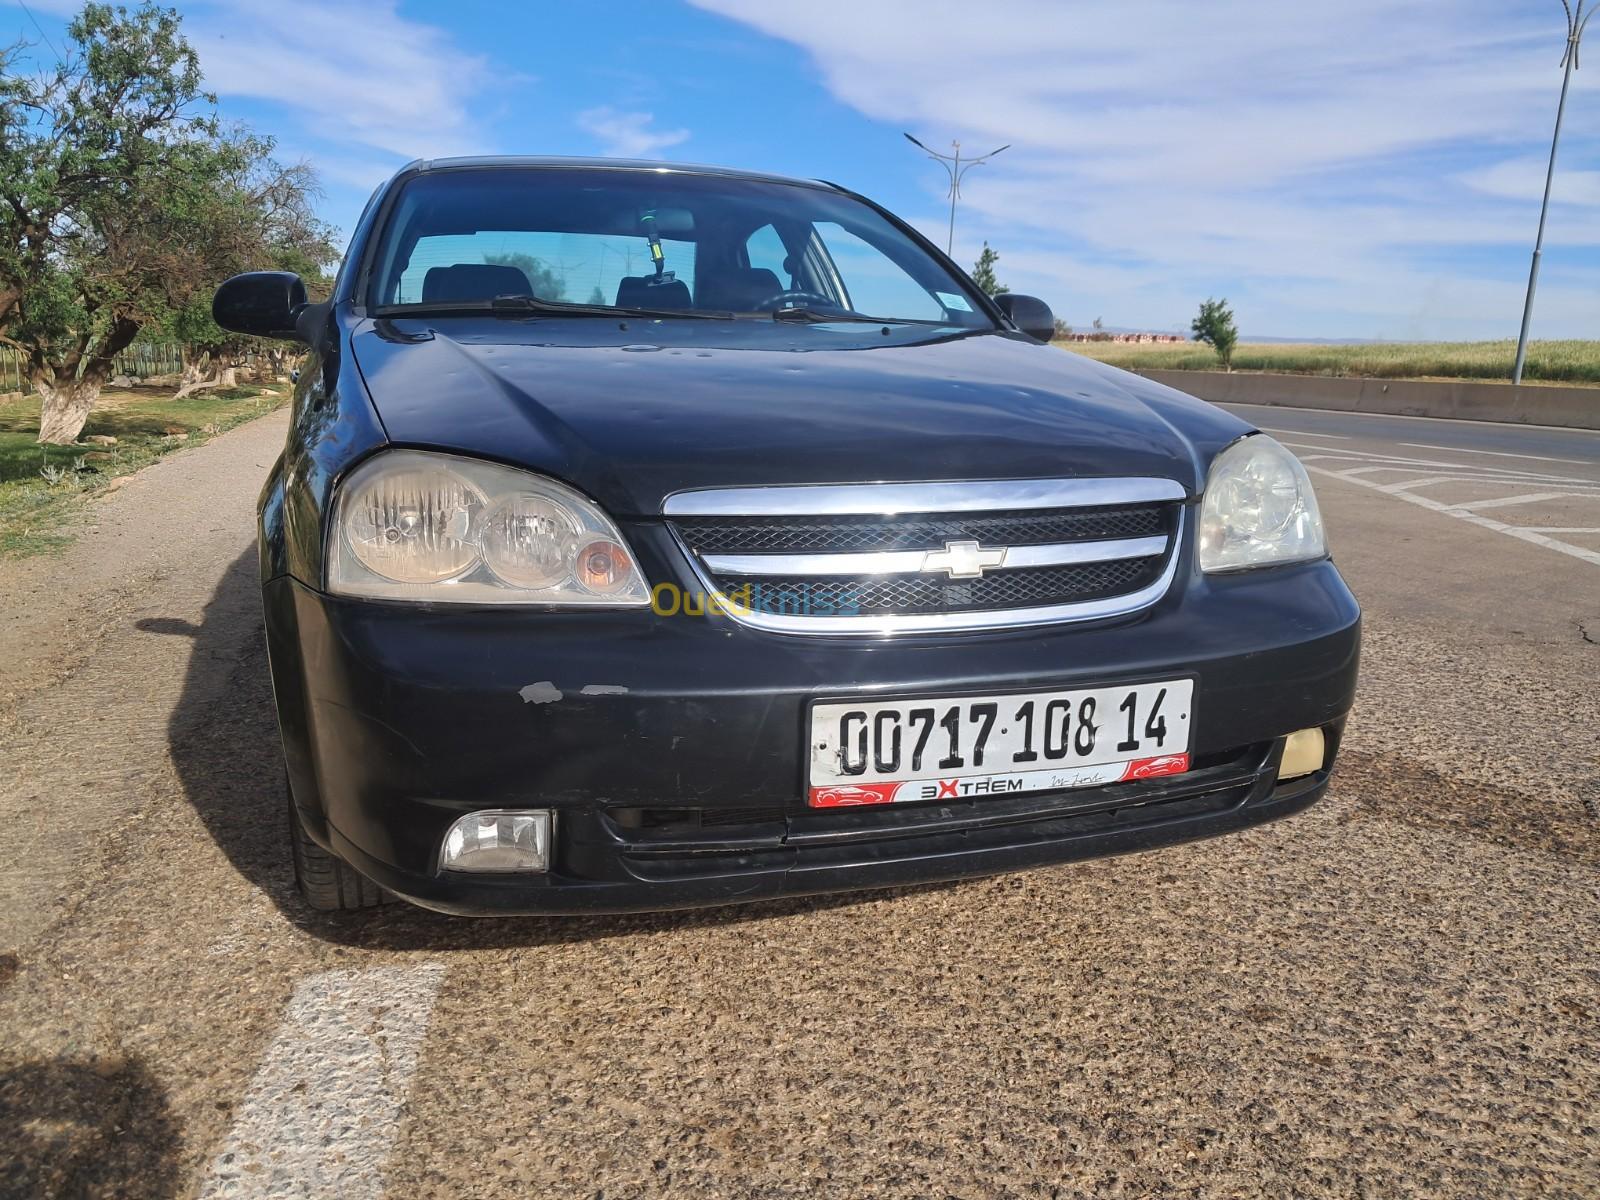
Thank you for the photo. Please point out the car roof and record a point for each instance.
(604, 164)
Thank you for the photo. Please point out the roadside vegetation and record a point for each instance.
(1214, 327)
(1570, 362)
(127, 200)
(983, 272)
(42, 486)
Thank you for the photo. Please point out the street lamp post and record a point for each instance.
(1577, 20)
(954, 165)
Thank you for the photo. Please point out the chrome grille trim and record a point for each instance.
(1007, 618)
(966, 563)
(894, 499)
(873, 533)
(890, 562)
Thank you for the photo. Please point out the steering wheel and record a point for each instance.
(794, 298)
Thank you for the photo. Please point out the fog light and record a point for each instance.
(499, 840)
(1303, 753)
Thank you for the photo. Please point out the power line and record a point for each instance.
(59, 56)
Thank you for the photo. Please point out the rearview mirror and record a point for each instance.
(261, 303)
(1029, 314)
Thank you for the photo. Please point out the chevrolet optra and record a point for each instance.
(659, 536)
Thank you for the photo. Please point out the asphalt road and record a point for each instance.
(1393, 994)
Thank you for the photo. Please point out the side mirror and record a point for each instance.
(261, 303)
(1027, 313)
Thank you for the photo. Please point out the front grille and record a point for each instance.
(857, 534)
(873, 557)
(877, 595)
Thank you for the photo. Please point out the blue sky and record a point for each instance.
(1362, 168)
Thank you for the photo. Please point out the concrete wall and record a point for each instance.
(1571, 407)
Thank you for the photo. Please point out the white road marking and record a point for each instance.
(1381, 462)
(1432, 421)
(1332, 437)
(1581, 462)
(1526, 535)
(1560, 529)
(319, 1117)
(1509, 501)
(1409, 485)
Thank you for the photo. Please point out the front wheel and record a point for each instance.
(328, 883)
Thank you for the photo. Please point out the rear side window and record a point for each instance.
(875, 284)
(766, 252)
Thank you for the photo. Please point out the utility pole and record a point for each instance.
(953, 164)
(1577, 21)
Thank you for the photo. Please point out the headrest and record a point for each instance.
(636, 291)
(740, 289)
(474, 281)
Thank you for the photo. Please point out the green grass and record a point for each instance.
(1570, 362)
(42, 487)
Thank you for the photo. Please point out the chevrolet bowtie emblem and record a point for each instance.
(963, 560)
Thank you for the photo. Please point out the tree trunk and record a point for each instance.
(64, 409)
(69, 385)
(192, 369)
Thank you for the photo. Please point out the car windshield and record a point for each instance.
(666, 242)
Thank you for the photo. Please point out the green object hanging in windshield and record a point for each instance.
(657, 256)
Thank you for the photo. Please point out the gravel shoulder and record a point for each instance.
(95, 641)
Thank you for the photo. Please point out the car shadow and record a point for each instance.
(223, 739)
(92, 1127)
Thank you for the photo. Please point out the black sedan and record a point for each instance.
(660, 536)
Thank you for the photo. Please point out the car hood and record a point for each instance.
(632, 412)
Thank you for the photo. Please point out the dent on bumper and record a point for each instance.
(396, 720)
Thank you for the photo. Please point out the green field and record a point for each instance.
(42, 487)
(1548, 362)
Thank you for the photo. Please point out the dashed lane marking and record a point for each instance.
(320, 1115)
(1579, 462)
(1430, 422)
(1330, 437)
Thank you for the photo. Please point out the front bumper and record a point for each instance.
(673, 749)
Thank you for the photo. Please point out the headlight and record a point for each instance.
(1259, 509)
(408, 525)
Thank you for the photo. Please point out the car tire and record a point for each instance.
(326, 881)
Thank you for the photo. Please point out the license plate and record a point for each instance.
(968, 747)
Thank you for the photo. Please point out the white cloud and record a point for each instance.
(1523, 179)
(360, 74)
(1341, 169)
(628, 134)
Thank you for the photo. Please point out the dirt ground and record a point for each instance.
(1396, 993)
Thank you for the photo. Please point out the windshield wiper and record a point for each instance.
(817, 316)
(565, 308)
(518, 305)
